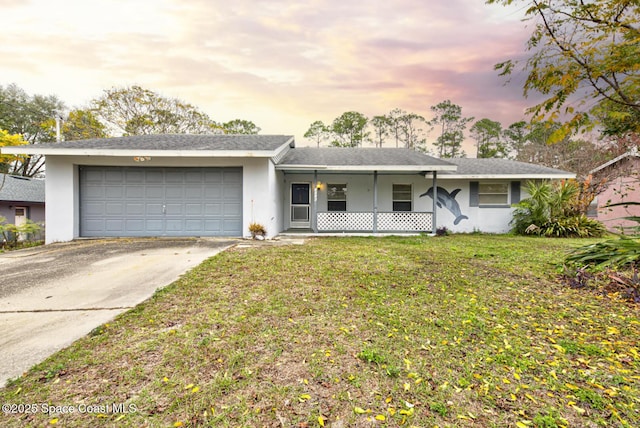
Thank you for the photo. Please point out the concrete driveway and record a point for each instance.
(52, 295)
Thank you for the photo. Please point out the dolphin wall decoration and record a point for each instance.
(448, 200)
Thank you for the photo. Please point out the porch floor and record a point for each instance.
(310, 232)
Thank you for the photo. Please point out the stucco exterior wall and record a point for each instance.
(62, 196)
(621, 189)
(35, 211)
(360, 198)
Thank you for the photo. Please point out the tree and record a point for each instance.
(395, 128)
(240, 126)
(448, 117)
(349, 129)
(575, 155)
(7, 139)
(381, 129)
(488, 136)
(410, 133)
(31, 117)
(318, 132)
(138, 111)
(581, 49)
(515, 136)
(82, 125)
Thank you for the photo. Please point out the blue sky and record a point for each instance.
(281, 64)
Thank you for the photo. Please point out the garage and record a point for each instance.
(160, 201)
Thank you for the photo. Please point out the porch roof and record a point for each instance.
(337, 159)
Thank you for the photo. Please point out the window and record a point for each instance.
(402, 197)
(336, 197)
(493, 194)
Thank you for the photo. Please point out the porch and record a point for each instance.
(371, 221)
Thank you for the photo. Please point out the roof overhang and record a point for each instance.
(402, 169)
(505, 176)
(52, 150)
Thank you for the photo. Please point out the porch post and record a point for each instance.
(314, 206)
(375, 201)
(435, 201)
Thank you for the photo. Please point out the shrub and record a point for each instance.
(10, 234)
(555, 211)
(256, 229)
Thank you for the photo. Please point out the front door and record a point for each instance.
(21, 216)
(300, 206)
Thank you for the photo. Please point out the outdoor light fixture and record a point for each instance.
(319, 185)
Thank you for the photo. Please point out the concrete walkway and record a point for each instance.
(52, 295)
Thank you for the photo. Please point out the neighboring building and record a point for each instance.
(216, 185)
(21, 199)
(622, 184)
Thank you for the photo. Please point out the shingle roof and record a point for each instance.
(349, 158)
(178, 142)
(502, 167)
(21, 189)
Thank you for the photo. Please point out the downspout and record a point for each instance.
(375, 201)
(435, 200)
(314, 208)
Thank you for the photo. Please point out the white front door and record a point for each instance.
(300, 205)
(21, 216)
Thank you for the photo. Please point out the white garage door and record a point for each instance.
(144, 201)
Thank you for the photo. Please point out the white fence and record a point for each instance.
(398, 221)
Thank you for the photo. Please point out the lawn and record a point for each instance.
(455, 331)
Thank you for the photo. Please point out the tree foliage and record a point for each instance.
(585, 50)
(448, 119)
(7, 139)
(488, 135)
(318, 132)
(82, 125)
(30, 116)
(240, 126)
(349, 129)
(137, 111)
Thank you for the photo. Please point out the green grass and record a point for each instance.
(458, 331)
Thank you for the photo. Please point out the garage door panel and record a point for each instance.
(114, 208)
(94, 207)
(113, 225)
(133, 175)
(154, 209)
(154, 225)
(154, 192)
(113, 176)
(150, 201)
(193, 209)
(134, 209)
(134, 225)
(232, 210)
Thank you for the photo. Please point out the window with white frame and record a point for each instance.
(336, 197)
(493, 193)
(402, 197)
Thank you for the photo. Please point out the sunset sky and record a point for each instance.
(280, 64)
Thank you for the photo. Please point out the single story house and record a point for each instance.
(21, 199)
(217, 185)
(622, 184)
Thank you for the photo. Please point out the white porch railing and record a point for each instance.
(364, 221)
